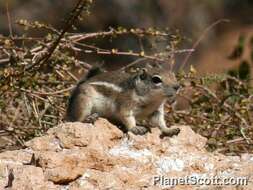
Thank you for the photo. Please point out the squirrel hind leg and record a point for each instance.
(79, 109)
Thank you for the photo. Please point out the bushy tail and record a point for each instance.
(91, 73)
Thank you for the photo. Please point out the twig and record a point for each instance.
(26, 105)
(48, 93)
(195, 45)
(75, 14)
(71, 75)
(235, 140)
(100, 51)
(111, 32)
(36, 112)
(48, 123)
(9, 18)
(4, 61)
(19, 38)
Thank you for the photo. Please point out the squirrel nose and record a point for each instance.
(176, 86)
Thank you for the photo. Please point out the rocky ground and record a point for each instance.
(81, 156)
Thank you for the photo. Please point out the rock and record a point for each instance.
(84, 156)
(70, 135)
(45, 143)
(25, 176)
(62, 167)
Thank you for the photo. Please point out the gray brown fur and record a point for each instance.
(129, 96)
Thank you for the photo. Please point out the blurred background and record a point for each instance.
(188, 17)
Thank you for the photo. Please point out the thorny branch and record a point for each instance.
(77, 11)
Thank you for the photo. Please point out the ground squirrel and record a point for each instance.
(128, 97)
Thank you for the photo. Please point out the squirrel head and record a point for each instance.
(153, 79)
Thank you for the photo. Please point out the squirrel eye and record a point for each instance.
(156, 79)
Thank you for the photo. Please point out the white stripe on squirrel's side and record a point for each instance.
(107, 85)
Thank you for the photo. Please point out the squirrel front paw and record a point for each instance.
(139, 130)
(170, 132)
(91, 118)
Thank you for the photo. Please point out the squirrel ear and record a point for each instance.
(143, 74)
